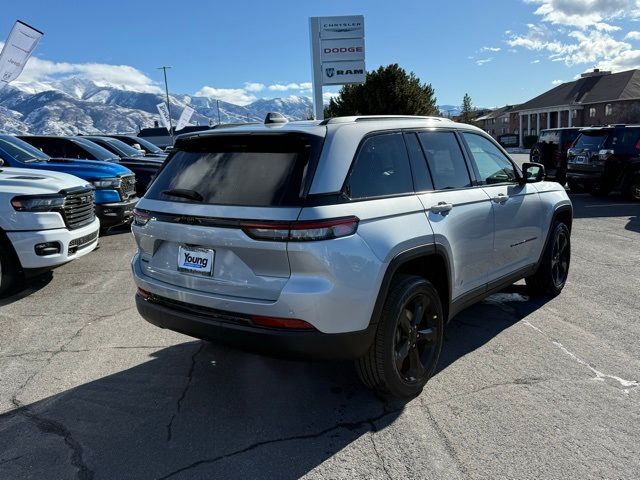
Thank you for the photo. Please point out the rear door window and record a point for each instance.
(381, 168)
(245, 170)
(623, 140)
(446, 162)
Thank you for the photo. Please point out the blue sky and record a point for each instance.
(499, 51)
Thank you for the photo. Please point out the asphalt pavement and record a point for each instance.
(526, 388)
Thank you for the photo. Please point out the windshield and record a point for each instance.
(118, 147)
(239, 170)
(97, 151)
(147, 145)
(590, 140)
(22, 151)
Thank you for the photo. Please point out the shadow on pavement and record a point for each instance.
(588, 206)
(25, 287)
(199, 410)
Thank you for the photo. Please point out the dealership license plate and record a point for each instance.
(196, 260)
(581, 159)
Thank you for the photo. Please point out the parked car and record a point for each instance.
(46, 219)
(143, 166)
(551, 151)
(83, 148)
(355, 237)
(159, 136)
(139, 143)
(115, 194)
(604, 159)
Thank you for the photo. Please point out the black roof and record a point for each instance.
(590, 89)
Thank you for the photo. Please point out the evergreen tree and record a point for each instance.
(468, 112)
(386, 91)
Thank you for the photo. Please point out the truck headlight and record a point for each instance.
(106, 183)
(37, 203)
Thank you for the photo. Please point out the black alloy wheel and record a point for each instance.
(560, 257)
(409, 336)
(415, 340)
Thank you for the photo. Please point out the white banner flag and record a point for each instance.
(164, 115)
(16, 51)
(184, 117)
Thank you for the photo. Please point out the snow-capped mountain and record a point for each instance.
(75, 105)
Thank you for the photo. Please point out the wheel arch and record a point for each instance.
(428, 261)
(562, 213)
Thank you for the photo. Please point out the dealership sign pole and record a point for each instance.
(16, 51)
(337, 54)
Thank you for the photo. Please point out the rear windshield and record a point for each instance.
(590, 140)
(246, 170)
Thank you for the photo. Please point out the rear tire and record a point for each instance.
(631, 188)
(552, 273)
(408, 339)
(8, 268)
(574, 186)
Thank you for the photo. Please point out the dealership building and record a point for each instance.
(596, 98)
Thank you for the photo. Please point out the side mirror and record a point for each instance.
(532, 172)
(1, 162)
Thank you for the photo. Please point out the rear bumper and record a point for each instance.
(112, 214)
(218, 327)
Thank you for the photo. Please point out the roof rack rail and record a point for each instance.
(365, 118)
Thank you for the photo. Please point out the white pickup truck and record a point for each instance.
(46, 219)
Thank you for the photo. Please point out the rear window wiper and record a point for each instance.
(184, 193)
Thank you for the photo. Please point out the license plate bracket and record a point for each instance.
(196, 260)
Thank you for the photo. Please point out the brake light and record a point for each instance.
(275, 322)
(143, 293)
(568, 144)
(302, 231)
(140, 217)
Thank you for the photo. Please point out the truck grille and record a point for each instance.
(128, 186)
(78, 243)
(78, 208)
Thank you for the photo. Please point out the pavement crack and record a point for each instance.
(8, 460)
(184, 391)
(377, 452)
(48, 426)
(626, 385)
(351, 426)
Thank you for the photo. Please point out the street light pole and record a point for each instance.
(218, 106)
(166, 89)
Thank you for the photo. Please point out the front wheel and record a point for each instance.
(631, 188)
(552, 273)
(408, 341)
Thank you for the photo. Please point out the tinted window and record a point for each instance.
(447, 165)
(93, 150)
(491, 163)
(591, 140)
(421, 174)
(625, 138)
(380, 168)
(22, 151)
(145, 144)
(264, 171)
(46, 145)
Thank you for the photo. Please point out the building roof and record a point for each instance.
(591, 88)
(498, 112)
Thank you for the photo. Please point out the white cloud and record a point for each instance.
(632, 36)
(238, 96)
(490, 49)
(557, 82)
(586, 13)
(253, 87)
(536, 61)
(482, 61)
(279, 87)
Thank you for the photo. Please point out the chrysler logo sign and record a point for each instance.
(342, 27)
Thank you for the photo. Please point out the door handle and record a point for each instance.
(441, 207)
(500, 198)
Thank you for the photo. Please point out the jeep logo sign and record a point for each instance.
(339, 73)
(340, 50)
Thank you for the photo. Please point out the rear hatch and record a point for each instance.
(584, 152)
(211, 188)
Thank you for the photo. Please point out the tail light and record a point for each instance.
(568, 144)
(140, 217)
(604, 154)
(301, 231)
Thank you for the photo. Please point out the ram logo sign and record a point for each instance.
(340, 73)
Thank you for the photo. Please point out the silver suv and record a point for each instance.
(354, 237)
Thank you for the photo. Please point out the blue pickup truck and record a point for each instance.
(115, 185)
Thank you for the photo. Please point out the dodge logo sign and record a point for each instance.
(330, 72)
